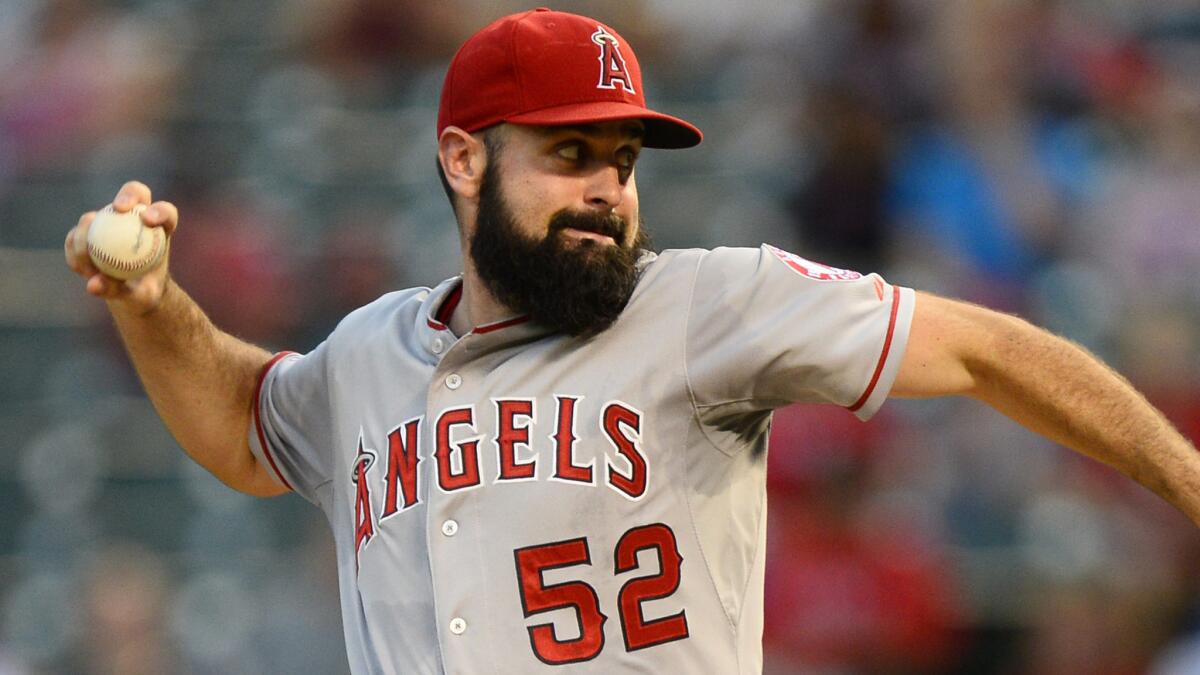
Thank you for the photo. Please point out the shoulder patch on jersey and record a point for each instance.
(813, 270)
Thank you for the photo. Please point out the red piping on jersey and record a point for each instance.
(441, 319)
(262, 437)
(887, 346)
(500, 324)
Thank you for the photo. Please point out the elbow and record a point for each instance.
(256, 484)
(956, 348)
(1005, 344)
(259, 480)
(262, 489)
(242, 472)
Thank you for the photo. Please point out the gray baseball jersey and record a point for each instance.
(521, 501)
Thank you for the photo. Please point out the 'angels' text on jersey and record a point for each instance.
(461, 433)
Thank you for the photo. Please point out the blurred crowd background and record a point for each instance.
(1038, 156)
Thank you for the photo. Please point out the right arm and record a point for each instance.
(200, 379)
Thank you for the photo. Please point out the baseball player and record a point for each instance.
(554, 462)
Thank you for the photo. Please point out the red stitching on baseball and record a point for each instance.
(107, 258)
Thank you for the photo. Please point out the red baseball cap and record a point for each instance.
(546, 68)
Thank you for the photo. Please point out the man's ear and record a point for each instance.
(463, 159)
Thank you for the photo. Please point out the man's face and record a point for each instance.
(558, 234)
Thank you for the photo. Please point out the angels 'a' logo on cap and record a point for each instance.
(612, 63)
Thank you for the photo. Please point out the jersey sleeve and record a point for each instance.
(290, 430)
(766, 328)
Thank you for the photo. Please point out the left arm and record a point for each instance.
(1050, 386)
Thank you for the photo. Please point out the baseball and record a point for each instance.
(122, 246)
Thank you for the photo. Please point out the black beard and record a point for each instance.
(576, 286)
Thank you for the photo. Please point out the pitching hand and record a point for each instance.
(144, 293)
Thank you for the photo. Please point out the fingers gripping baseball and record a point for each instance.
(121, 250)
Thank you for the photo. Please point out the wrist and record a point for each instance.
(168, 289)
(143, 305)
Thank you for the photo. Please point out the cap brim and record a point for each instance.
(662, 131)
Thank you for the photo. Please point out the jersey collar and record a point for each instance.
(440, 304)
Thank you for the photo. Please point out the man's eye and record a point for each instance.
(570, 152)
(626, 159)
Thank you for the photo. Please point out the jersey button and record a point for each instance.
(453, 381)
(458, 626)
(437, 346)
(450, 528)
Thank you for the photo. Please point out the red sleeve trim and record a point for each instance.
(262, 437)
(887, 347)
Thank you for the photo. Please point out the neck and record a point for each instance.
(478, 306)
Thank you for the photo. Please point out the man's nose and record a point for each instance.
(605, 188)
